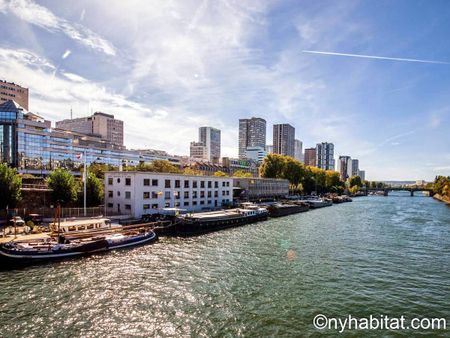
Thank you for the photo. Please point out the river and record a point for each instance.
(375, 256)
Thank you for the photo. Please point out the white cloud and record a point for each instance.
(40, 16)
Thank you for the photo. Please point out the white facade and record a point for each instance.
(255, 153)
(198, 151)
(140, 193)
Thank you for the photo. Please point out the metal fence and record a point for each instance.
(46, 212)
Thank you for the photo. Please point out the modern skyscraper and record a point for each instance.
(345, 167)
(362, 174)
(284, 139)
(105, 125)
(269, 149)
(298, 150)
(256, 154)
(325, 155)
(210, 137)
(12, 91)
(310, 157)
(355, 167)
(252, 133)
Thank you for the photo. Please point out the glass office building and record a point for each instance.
(29, 143)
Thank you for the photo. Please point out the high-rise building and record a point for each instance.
(362, 174)
(298, 150)
(325, 155)
(252, 133)
(284, 139)
(345, 167)
(269, 149)
(310, 157)
(210, 137)
(355, 167)
(12, 91)
(104, 125)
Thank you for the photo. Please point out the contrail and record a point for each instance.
(374, 57)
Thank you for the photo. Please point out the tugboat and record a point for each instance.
(205, 222)
(284, 209)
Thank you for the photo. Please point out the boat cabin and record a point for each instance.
(83, 225)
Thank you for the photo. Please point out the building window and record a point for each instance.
(202, 194)
(209, 184)
(146, 206)
(216, 184)
(167, 195)
(177, 204)
(177, 184)
(194, 184)
(155, 206)
(127, 181)
(209, 202)
(194, 203)
(118, 180)
(186, 184)
(216, 194)
(146, 194)
(118, 193)
(127, 194)
(127, 206)
(167, 184)
(177, 194)
(194, 194)
(110, 205)
(110, 194)
(154, 183)
(186, 194)
(154, 194)
(202, 202)
(223, 184)
(146, 181)
(202, 184)
(209, 194)
(186, 204)
(110, 181)
(167, 205)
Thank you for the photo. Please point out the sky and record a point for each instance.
(373, 77)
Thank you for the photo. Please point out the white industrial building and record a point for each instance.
(139, 193)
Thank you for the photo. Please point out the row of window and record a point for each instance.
(167, 195)
(166, 205)
(177, 183)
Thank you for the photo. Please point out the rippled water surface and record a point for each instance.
(377, 255)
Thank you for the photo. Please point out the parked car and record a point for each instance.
(18, 221)
(35, 218)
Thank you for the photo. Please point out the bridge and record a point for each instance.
(386, 191)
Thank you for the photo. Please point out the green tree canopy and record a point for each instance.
(94, 191)
(272, 166)
(10, 185)
(63, 185)
(355, 181)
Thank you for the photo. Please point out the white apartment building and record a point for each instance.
(139, 193)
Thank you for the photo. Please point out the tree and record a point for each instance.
(192, 172)
(366, 183)
(10, 185)
(355, 181)
(272, 166)
(220, 174)
(63, 185)
(241, 173)
(353, 190)
(159, 166)
(98, 169)
(94, 191)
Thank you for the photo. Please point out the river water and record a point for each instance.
(376, 256)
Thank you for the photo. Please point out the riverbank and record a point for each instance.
(441, 198)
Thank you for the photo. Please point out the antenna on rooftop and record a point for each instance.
(71, 113)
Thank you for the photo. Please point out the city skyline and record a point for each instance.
(212, 64)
